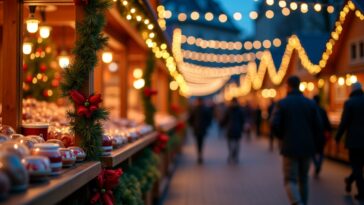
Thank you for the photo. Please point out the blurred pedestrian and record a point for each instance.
(199, 119)
(271, 135)
(234, 122)
(296, 123)
(352, 123)
(323, 138)
(249, 112)
(258, 120)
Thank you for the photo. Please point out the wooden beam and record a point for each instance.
(133, 33)
(45, 2)
(12, 44)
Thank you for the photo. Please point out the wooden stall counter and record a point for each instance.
(57, 188)
(120, 155)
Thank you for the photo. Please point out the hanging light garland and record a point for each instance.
(255, 76)
(134, 13)
(238, 16)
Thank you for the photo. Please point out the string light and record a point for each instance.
(253, 15)
(237, 16)
(222, 18)
(195, 15)
(269, 14)
(282, 3)
(304, 8)
(293, 6)
(209, 16)
(107, 57)
(317, 7)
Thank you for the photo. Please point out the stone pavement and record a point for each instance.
(257, 180)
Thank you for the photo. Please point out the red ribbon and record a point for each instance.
(85, 106)
(150, 92)
(107, 180)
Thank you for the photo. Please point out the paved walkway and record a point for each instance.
(257, 180)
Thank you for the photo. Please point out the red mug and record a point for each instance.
(40, 129)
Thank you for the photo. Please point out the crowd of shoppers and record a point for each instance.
(302, 127)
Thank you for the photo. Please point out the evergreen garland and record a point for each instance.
(149, 109)
(89, 40)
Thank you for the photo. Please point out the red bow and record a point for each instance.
(80, 2)
(85, 106)
(150, 92)
(161, 143)
(107, 180)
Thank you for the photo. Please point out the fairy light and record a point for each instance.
(304, 8)
(237, 16)
(317, 7)
(330, 9)
(253, 15)
(195, 15)
(182, 17)
(222, 18)
(27, 48)
(269, 2)
(282, 3)
(269, 14)
(286, 11)
(209, 16)
(293, 6)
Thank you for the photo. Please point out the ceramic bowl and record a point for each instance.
(4, 138)
(27, 141)
(16, 136)
(37, 138)
(38, 167)
(16, 172)
(40, 129)
(51, 151)
(79, 152)
(4, 186)
(56, 141)
(6, 130)
(15, 147)
(117, 141)
(68, 157)
(106, 145)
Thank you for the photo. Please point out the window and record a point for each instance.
(353, 51)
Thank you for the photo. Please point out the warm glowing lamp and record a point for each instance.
(27, 48)
(44, 31)
(107, 57)
(63, 60)
(32, 22)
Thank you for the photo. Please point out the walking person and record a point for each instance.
(271, 135)
(234, 122)
(249, 112)
(352, 123)
(199, 119)
(321, 139)
(258, 120)
(296, 123)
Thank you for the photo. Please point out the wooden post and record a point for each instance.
(88, 87)
(12, 63)
(123, 73)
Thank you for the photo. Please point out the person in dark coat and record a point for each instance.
(321, 140)
(352, 122)
(258, 120)
(199, 119)
(296, 123)
(270, 114)
(234, 122)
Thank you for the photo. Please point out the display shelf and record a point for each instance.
(120, 155)
(57, 188)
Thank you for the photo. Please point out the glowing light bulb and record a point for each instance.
(317, 7)
(139, 84)
(173, 85)
(44, 31)
(27, 48)
(32, 24)
(63, 60)
(137, 73)
(113, 67)
(293, 6)
(107, 57)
